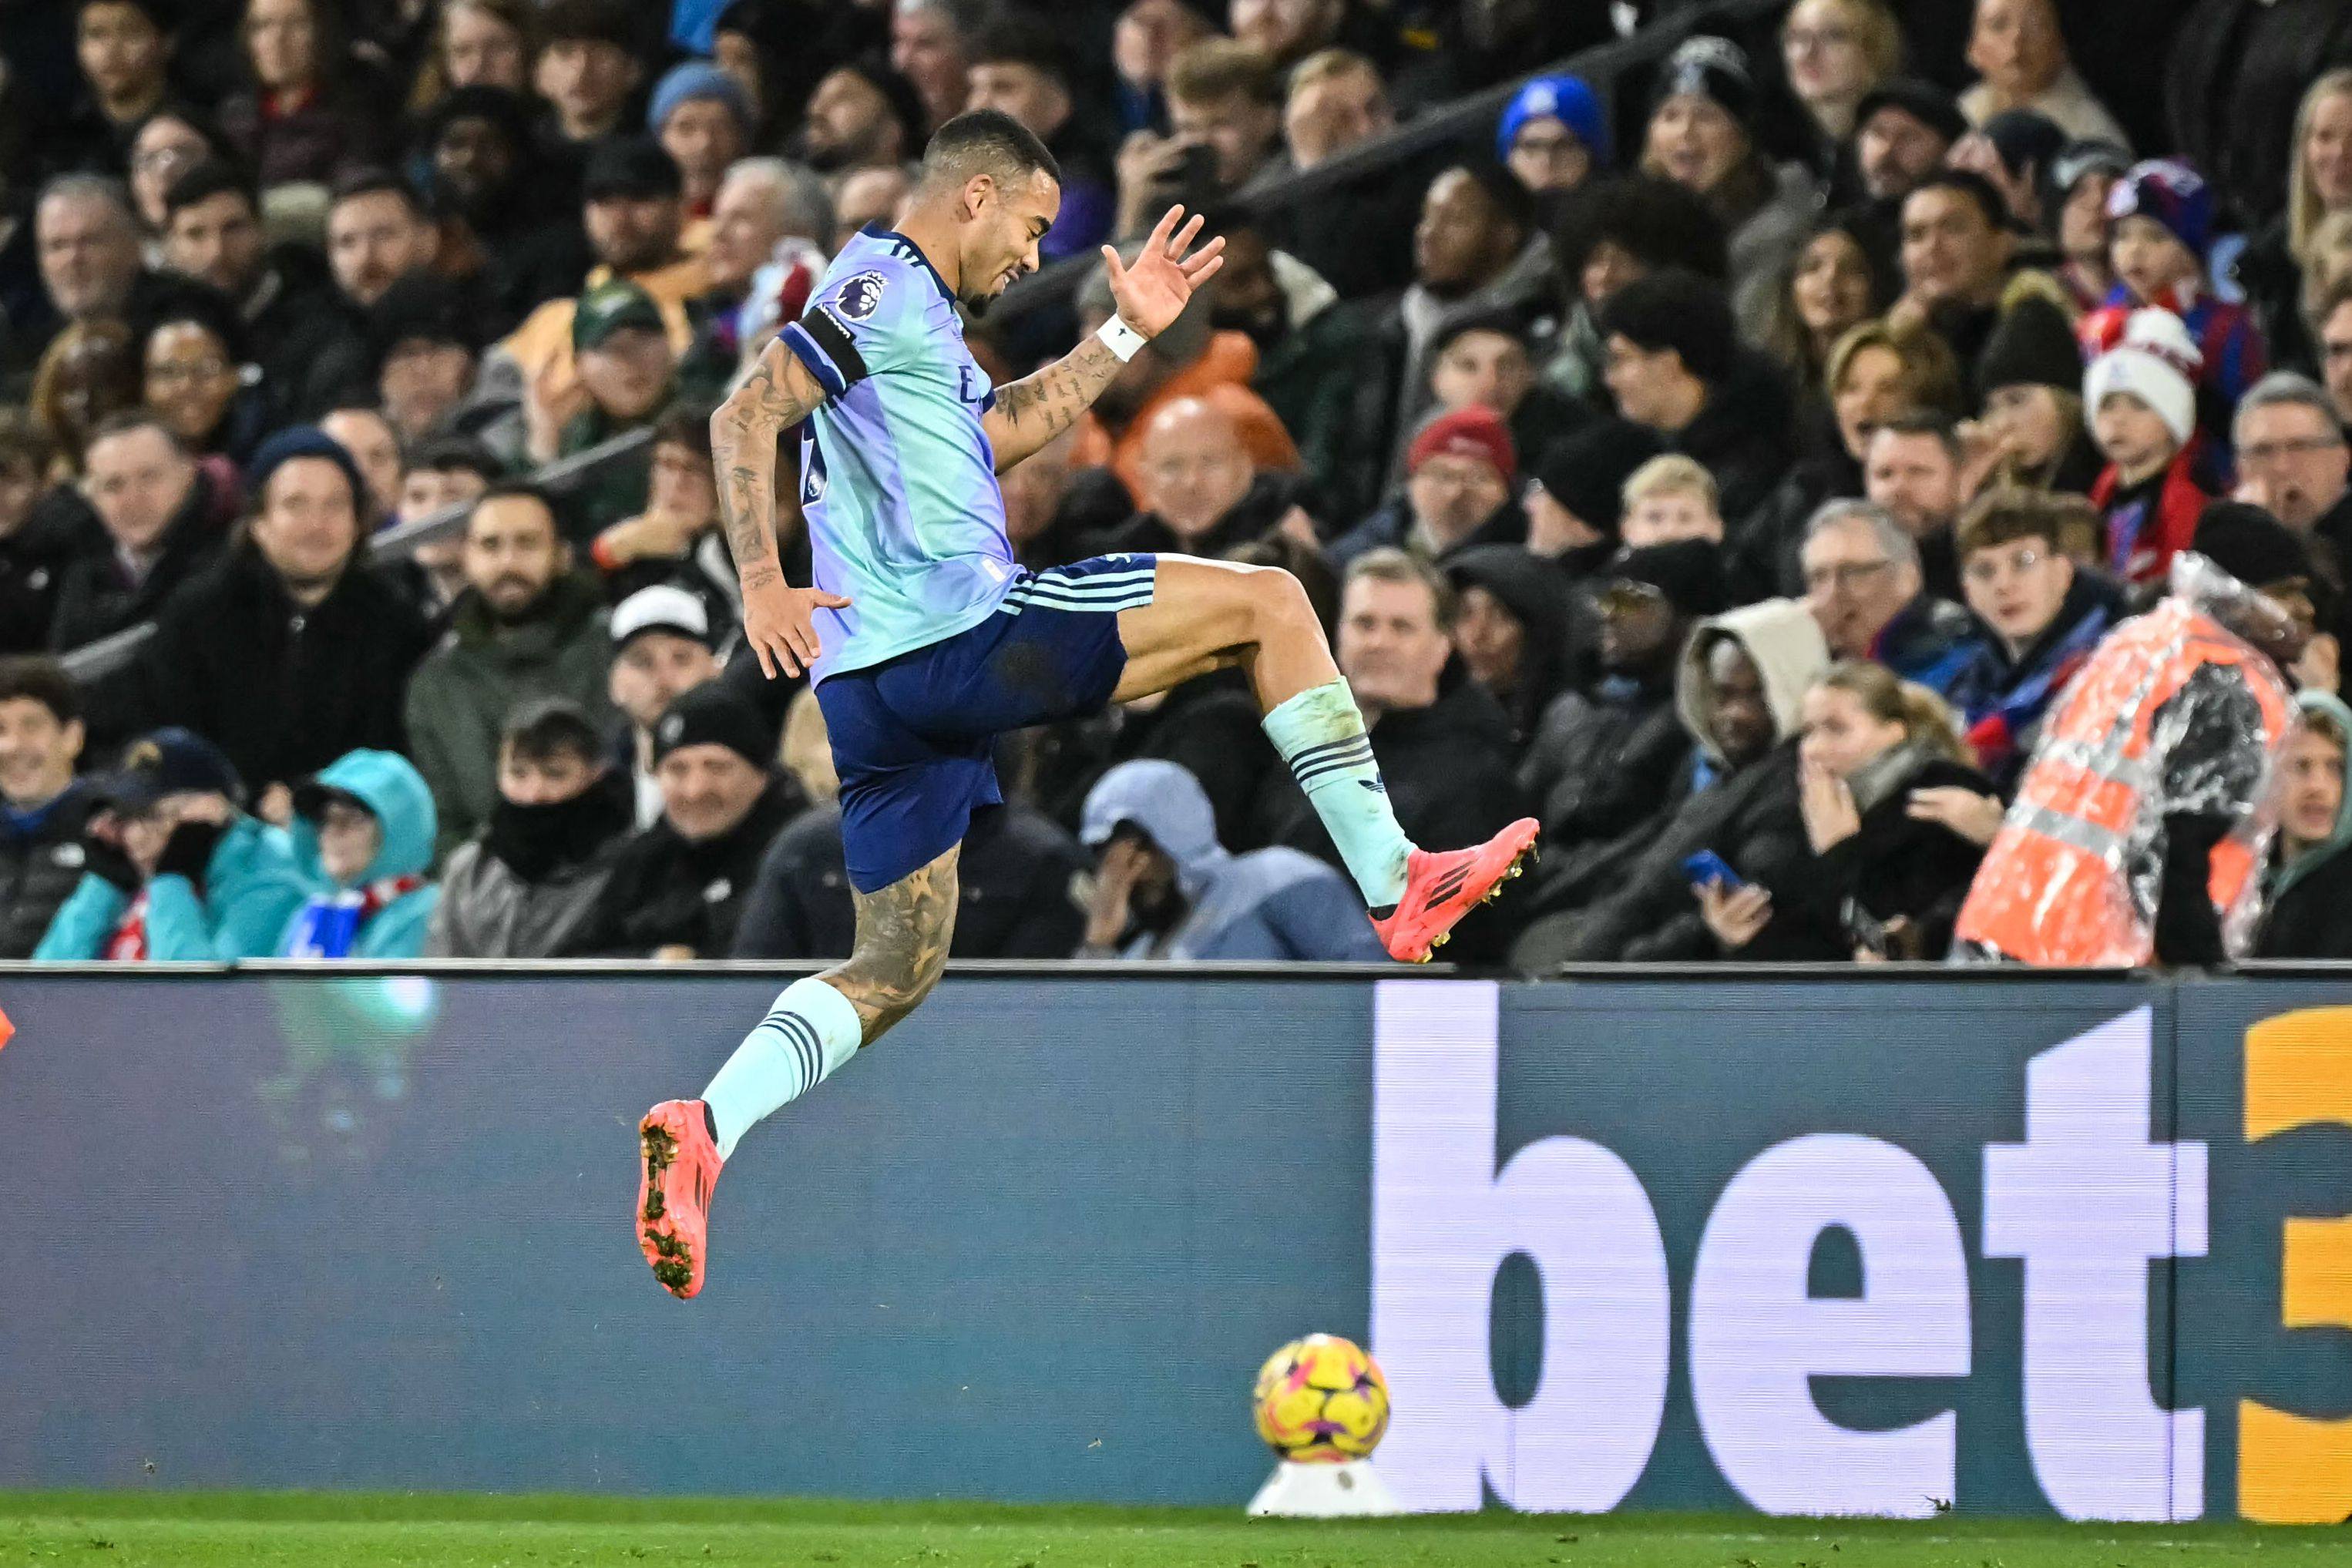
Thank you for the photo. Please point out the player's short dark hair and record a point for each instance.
(1928, 423)
(987, 142)
(551, 726)
(1022, 41)
(447, 453)
(37, 677)
(209, 179)
(377, 181)
(1976, 188)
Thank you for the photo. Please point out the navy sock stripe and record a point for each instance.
(1333, 765)
(801, 1038)
(1309, 753)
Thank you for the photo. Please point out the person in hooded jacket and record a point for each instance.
(1512, 629)
(176, 869)
(1610, 757)
(2309, 881)
(1886, 873)
(1740, 691)
(363, 837)
(521, 887)
(1164, 888)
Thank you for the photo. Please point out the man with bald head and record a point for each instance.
(1201, 494)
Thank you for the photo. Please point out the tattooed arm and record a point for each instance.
(1150, 294)
(1030, 412)
(777, 618)
(903, 935)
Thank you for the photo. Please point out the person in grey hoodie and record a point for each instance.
(1164, 888)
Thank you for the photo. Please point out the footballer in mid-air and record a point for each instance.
(926, 641)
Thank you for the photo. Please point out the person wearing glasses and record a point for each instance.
(2292, 459)
(1863, 583)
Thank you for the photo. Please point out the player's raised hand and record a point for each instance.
(1154, 291)
(780, 621)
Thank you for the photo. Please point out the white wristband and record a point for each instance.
(1120, 339)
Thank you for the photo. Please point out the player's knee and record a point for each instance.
(1279, 605)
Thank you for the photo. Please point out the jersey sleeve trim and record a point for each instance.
(826, 347)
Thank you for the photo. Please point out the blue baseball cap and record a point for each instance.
(171, 761)
(1567, 99)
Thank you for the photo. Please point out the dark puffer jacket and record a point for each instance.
(41, 863)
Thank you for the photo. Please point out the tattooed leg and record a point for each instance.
(903, 932)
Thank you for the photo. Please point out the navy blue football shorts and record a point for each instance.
(914, 736)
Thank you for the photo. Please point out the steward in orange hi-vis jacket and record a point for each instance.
(2142, 821)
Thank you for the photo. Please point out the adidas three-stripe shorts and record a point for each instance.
(914, 736)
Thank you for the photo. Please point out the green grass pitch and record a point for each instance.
(122, 1529)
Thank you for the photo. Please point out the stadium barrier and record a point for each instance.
(2011, 1244)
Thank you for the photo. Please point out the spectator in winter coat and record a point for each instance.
(43, 808)
(1740, 692)
(176, 871)
(2038, 616)
(1609, 232)
(1014, 881)
(2081, 180)
(362, 840)
(296, 601)
(2033, 431)
(1912, 473)
(1511, 629)
(2309, 882)
(1863, 583)
(1958, 248)
(37, 529)
(1164, 888)
(1701, 135)
(1457, 493)
(165, 520)
(1442, 744)
(2142, 399)
(521, 887)
(1575, 498)
(1675, 367)
(1606, 759)
(2019, 56)
(1891, 877)
(527, 627)
(677, 889)
(2160, 232)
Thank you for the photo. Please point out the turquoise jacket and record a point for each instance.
(389, 785)
(251, 889)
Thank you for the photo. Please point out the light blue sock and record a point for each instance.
(1321, 734)
(810, 1032)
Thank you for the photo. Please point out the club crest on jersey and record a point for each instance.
(861, 296)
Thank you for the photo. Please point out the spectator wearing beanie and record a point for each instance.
(2141, 397)
(1553, 136)
(2309, 882)
(1457, 493)
(1613, 755)
(1676, 368)
(292, 651)
(2159, 234)
(2017, 149)
(426, 343)
(702, 118)
(2032, 425)
(2081, 179)
(678, 887)
(1701, 135)
(1576, 495)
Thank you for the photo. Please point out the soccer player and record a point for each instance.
(926, 641)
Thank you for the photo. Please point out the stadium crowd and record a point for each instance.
(1853, 477)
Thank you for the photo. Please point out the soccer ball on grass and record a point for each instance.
(1321, 1400)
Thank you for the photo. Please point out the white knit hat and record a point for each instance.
(2157, 363)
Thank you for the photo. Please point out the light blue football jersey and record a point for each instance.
(898, 478)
